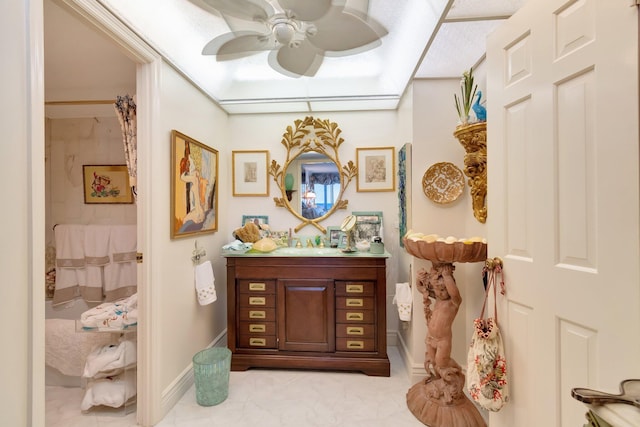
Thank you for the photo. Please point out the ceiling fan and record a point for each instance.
(297, 33)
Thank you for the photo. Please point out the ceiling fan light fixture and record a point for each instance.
(283, 32)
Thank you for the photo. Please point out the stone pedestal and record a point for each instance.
(439, 400)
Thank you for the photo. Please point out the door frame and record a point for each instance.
(148, 67)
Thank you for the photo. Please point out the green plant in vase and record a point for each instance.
(467, 93)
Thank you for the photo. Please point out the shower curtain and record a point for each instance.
(126, 111)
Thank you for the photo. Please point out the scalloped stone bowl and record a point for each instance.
(446, 252)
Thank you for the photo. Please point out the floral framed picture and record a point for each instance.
(106, 184)
(376, 169)
(249, 171)
(194, 183)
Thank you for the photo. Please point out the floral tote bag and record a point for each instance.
(486, 364)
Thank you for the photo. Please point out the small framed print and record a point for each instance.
(106, 184)
(335, 237)
(376, 169)
(249, 171)
(256, 219)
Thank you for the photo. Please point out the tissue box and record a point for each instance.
(376, 248)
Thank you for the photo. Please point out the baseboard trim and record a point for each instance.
(176, 390)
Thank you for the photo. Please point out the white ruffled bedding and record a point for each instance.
(66, 350)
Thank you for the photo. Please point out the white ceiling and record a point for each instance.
(426, 39)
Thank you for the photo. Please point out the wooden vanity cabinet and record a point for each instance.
(307, 312)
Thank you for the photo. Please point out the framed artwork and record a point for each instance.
(106, 184)
(249, 171)
(256, 219)
(280, 237)
(404, 190)
(376, 169)
(336, 237)
(194, 181)
(368, 225)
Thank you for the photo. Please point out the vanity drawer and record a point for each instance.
(258, 314)
(354, 302)
(344, 288)
(347, 330)
(257, 328)
(254, 300)
(257, 286)
(355, 344)
(253, 341)
(354, 316)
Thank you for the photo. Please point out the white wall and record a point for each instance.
(184, 327)
(359, 129)
(70, 144)
(434, 121)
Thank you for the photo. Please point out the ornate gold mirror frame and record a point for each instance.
(321, 136)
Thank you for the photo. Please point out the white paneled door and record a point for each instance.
(562, 94)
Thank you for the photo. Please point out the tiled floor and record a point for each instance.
(269, 398)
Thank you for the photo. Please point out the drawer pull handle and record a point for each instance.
(257, 328)
(355, 302)
(257, 286)
(355, 330)
(355, 344)
(257, 314)
(356, 289)
(257, 300)
(355, 316)
(257, 342)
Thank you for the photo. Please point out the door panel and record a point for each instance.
(562, 85)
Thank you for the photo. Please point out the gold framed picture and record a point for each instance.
(249, 171)
(194, 181)
(376, 169)
(106, 184)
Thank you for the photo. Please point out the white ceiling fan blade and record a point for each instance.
(344, 30)
(304, 60)
(307, 10)
(243, 9)
(236, 45)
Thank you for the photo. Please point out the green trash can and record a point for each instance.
(211, 371)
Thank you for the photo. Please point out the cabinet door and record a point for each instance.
(306, 315)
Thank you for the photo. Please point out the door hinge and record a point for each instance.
(139, 257)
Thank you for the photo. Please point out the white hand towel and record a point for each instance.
(96, 255)
(109, 358)
(403, 300)
(70, 263)
(205, 283)
(120, 275)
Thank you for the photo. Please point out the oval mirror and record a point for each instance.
(312, 179)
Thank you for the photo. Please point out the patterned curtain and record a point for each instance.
(324, 178)
(126, 111)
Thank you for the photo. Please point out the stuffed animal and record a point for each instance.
(250, 233)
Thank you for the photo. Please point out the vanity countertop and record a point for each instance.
(306, 252)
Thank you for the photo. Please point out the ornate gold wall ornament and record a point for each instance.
(473, 138)
(312, 135)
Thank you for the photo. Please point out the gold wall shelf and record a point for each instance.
(473, 138)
